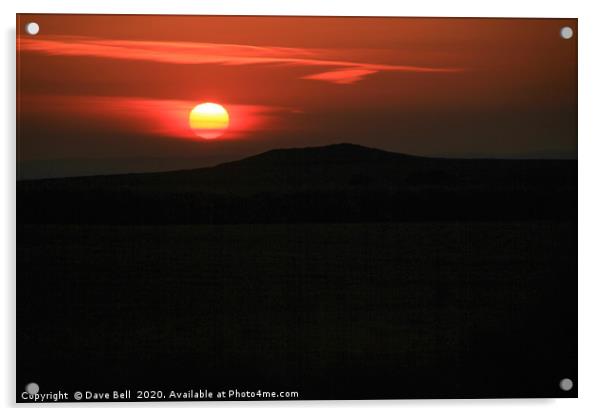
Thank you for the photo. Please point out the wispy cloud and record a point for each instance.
(342, 76)
(194, 53)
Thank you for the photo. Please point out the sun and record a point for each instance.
(209, 120)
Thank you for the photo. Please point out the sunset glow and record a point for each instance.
(213, 89)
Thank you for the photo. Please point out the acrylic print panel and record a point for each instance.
(296, 208)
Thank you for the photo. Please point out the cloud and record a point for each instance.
(158, 117)
(342, 76)
(195, 53)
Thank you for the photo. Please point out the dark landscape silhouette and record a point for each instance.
(337, 272)
(338, 183)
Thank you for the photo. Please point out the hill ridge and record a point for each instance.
(331, 153)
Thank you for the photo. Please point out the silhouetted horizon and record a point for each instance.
(27, 170)
(335, 183)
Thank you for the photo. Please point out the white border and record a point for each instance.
(590, 207)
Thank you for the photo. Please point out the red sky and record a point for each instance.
(102, 94)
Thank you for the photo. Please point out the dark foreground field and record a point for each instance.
(340, 311)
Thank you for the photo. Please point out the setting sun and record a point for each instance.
(209, 120)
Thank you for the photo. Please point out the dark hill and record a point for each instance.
(342, 153)
(342, 182)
